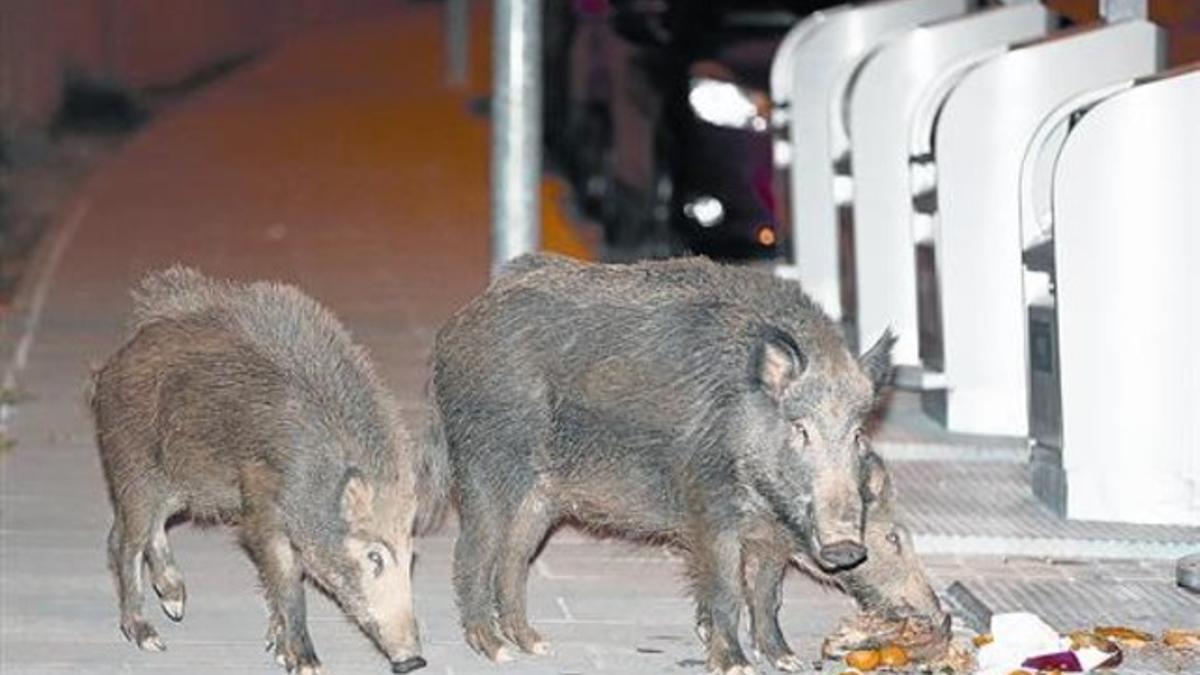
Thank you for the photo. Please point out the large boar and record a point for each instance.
(677, 401)
(890, 587)
(249, 404)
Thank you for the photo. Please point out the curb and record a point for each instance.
(18, 331)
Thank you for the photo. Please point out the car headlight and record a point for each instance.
(726, 104)
(706, 210)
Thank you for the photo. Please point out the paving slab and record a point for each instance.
(988, 508)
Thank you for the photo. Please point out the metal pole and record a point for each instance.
(1119, 10)
(516, 128)
(458, 15)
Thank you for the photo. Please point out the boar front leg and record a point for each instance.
(716, 574)
(283, 583)
(764, 572)
(525, 532)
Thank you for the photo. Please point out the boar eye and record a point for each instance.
(894, 540)
(376, 560)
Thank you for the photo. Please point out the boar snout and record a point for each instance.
(838, 531)
(401, 643)
(842, 554)
(407, 665)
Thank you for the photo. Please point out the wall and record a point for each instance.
(135, 43)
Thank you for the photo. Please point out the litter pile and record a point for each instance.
(1019, 643)
(1022, 643)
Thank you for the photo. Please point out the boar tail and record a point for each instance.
(433, 473)
(171, 293)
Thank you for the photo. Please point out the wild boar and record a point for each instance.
(678, 401)
(250, 404)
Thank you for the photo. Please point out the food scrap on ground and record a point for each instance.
(893, 657)
(917, 636)
(863, 659)
(1182, 639)
(869, 642)
(1127, 637)
(1018, 644)
(1025, 639)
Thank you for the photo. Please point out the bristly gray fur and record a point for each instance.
(249, 403)
(710, 406)
(293, 331)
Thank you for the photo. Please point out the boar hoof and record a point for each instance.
(408, 665)
(295, 658)
(173, 609)
(521, 634)
(729, 663)
(172, 595)
(789, 662)
(144, 636)
(483, 639)
(502, 655)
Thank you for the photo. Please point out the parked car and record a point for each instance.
(658, 114)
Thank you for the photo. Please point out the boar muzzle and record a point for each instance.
(842, 554)
(408, 665)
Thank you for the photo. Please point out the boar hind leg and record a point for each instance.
(525, 533)
(764, 581)
(127, 543)
(475, 555)
(165, 575)
(716, 575)
(283, 584)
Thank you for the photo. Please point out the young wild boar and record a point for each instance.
(890, 587)
(678, 400)
(249, 404)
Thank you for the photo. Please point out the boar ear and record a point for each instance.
(877, 360)
(356, 497)
(876, 481)
(779, 362)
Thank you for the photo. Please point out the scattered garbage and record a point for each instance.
(1019, 643)
(892, 656)
(1021, 640)
(863, 659)
(1182, 639)
(917, 637)
(1128, 637)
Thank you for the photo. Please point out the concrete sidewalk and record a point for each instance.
(339, 163)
